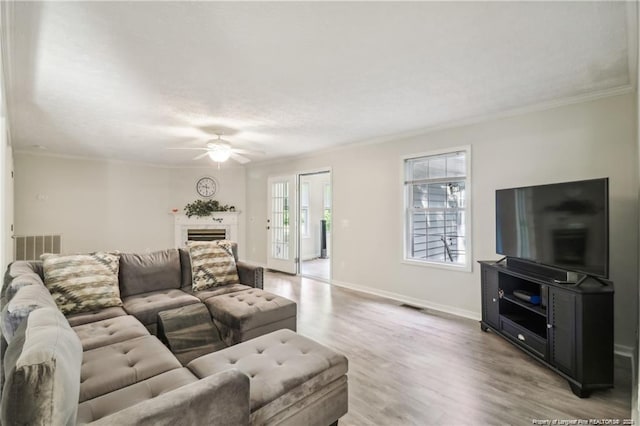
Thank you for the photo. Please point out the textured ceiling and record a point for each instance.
(127, 80)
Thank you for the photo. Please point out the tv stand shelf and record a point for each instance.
(529, 306)
(571, 331)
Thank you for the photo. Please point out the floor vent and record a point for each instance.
(30, 247)
(415, 308)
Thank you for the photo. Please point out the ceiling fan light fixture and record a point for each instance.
(219, 152)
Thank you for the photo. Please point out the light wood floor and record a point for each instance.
(417, 367)
(316, 268)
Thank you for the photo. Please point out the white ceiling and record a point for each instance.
(126, 80)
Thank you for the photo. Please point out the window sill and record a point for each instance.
(427, 264)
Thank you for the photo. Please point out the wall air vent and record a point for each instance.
(30, 247)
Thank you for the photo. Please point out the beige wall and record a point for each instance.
(106, 205)
(586, 140)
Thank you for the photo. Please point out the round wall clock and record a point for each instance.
(206, 186)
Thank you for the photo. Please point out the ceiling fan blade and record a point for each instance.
(239, 158)
(188, 148)
(197, 157)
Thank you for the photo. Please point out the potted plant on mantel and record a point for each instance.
(202, 208)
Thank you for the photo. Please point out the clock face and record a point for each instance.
(206, 186)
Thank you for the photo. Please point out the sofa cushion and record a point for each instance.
(21, 267)
(212, 264)
(109, 331)
(97, 408)
(26, 300)
(12, 285)
(216, 291)
(146, 306)
(93, 316)
(115, 366)
(82, 282)
(42, 364)
(142, 273)
(222, 399)
(277, 364)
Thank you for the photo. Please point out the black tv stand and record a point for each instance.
(571, 331)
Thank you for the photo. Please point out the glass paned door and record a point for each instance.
(281, 224)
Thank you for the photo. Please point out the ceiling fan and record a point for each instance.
(220, 150)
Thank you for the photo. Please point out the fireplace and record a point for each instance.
(222, 225)
(206, 234)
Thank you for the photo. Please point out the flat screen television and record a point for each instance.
(565, 225)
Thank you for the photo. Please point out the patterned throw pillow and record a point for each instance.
(212, 264)
(82, 282)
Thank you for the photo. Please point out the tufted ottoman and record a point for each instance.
(246, 314)
(293, 380)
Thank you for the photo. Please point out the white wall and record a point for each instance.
(586, 140)
(107, 205)
(310, 245)
(6, 160)
(635, 400)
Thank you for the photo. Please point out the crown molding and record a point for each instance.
(467, 121)
(19, 151)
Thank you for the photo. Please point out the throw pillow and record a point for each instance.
(212, 264)
(82, 282)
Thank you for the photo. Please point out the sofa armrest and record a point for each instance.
(250, 275)
(220, 399)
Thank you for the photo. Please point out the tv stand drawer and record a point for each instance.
(524, 336)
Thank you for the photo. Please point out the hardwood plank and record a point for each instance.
(421, 367)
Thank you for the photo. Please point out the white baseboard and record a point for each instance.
(623, 350)
(410, 300)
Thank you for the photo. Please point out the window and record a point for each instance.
(326, 214)
(304, 209)
(437, 221)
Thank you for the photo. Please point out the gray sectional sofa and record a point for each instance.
(108, 367)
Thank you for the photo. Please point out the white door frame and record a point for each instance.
(298, 242)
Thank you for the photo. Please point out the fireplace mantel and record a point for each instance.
(219, 220)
